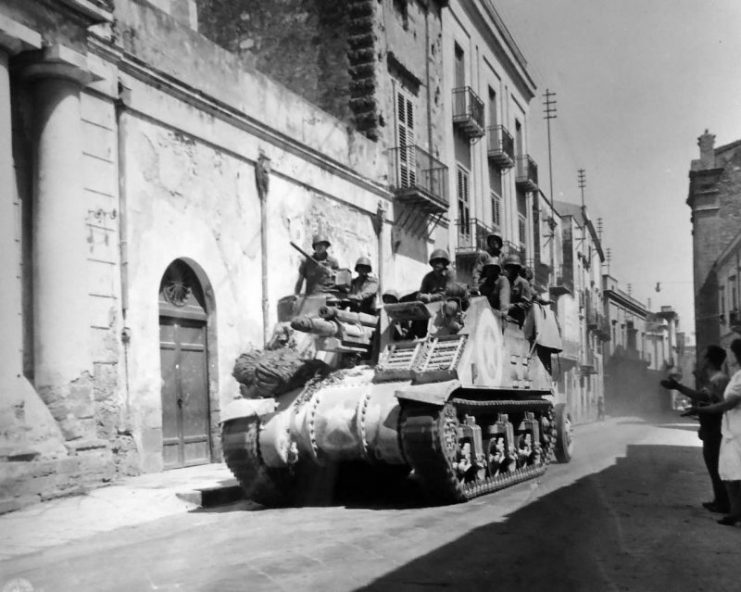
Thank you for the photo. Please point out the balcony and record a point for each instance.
(527, 173)
(590, 363)
(500, 147)
(419, 180)
(468, 112)
(563, 283)
(472, 234)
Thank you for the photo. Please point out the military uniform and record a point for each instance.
(319, 278)
(497, 292)
(364, 290)
(435, 284)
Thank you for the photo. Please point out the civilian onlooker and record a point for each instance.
(716, 381)
(729, 462)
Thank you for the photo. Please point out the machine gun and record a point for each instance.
(339, 278)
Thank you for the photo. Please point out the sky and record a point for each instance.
(636, 83)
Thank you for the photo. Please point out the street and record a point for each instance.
(625, 514)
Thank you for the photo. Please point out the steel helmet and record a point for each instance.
(363, 261)
(512, 259)
(320, 238)
(493, 261)
(390, 296)
(439, 254)
(495, 233)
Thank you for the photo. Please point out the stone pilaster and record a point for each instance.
(61, 353)
(14, 38)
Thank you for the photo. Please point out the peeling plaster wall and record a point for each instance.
(191, 195)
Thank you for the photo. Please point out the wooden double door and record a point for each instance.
(186, 418)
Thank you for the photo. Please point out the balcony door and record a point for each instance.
(405, 135)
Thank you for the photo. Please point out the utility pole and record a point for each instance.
(609, 259)
(582, 184)
(550, 113)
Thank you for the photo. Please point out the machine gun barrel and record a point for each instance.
(304, 253)
(331, 313)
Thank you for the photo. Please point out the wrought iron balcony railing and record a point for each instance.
(419, 179)
(563, 282)
(468, 112)
(500, 147)
(472, 234)
(527, 173)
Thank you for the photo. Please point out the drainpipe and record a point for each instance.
(378, 220)
(262, 181)
(121, 103)
(427, 76)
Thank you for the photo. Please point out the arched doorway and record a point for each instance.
(184, 362)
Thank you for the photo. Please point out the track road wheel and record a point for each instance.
(266, 486)
(564, 433)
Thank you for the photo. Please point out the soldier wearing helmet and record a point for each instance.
(521, 295)
(495, 286)
(317, 271)
(364, 287)
(436, 282)
(493, 249)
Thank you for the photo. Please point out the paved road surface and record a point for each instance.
(623, 515)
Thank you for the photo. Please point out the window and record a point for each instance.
(460, 67)
(722, 300)
(495, 194)
(522, 219)
(496, 209)
(492, 107)
(405, 137)
(518, 138)
(464, 206)
(734, 292)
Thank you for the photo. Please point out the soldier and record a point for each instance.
(495, 286)
(364, 287)
(318, 270)
(521, 294)
(493, 249)
(436, 282)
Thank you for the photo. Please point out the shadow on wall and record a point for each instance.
(613, 530)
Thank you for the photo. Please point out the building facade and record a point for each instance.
(152, 178)
(578, 292)
(715, 201)
(162, 155)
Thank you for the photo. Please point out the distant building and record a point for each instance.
(715, 200)
(578, 294)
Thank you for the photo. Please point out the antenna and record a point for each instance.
(582, 184)
(550, 113)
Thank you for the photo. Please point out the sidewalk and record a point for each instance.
(127, 503)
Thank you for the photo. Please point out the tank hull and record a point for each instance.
(470, 412)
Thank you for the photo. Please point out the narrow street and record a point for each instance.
(625, 514)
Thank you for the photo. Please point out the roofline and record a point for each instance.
(502, 44)
(627, 301)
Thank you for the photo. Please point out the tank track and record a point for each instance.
(429, 438)
(241, 449)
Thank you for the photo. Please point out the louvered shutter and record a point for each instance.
(405, 130)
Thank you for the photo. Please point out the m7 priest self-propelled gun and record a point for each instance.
(463, 398)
